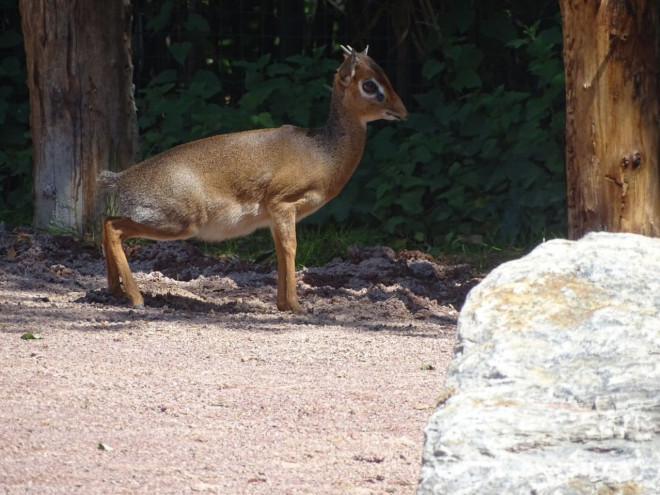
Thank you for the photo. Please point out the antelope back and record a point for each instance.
(367, 92)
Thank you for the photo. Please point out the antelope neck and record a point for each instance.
(344, 133)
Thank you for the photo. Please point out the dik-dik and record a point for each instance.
(230, 185)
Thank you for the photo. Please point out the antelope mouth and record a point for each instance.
(393, 116)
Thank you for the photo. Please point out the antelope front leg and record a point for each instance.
(284, 238)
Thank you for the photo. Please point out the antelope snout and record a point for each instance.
(390, 115)
(398, 111)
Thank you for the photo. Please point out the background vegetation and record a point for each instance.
(481, 156)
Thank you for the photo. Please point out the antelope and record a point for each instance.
(229, 185)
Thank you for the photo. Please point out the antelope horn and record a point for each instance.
(347, 49)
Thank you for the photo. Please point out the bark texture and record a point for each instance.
(82, 111)
(612, 135)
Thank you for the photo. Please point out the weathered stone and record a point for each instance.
(422, 268)
(555, 386)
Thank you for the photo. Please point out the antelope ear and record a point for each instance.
(366, 49)
(346, 70)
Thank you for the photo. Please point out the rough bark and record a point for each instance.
(612, 135)
(82, 111)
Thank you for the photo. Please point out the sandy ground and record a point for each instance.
(210, 389)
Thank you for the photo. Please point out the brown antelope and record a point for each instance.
(232, 184)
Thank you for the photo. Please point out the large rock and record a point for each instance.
(555, 386)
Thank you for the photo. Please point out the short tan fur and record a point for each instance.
(230, 185)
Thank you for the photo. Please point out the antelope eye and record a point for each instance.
(370, 87)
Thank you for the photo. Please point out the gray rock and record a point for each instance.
(422, 268)
(555, 385)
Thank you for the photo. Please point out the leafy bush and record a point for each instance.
(15, 145)
(481, 155)
(293, 91)
(475, 158)
(169, 114)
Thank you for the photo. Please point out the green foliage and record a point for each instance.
(295, 91)
(292, 91)
(169, 114)
(481, 156)
(475, 157)
(15, 144)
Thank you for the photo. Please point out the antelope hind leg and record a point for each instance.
(116, 230)
(112, 271)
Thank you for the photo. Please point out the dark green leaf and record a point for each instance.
(167, 76)
(466, 78)
(432, 68)
(161, 20)
(263, 119)
(197, 23)
(180, 51)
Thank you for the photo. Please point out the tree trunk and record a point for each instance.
(82, 111)
(612, 134)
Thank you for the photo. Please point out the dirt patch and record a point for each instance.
(210, 389)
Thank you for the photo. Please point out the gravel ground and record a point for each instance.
(210, 389)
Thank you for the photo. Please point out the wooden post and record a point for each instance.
(612, 133)
(82, 111)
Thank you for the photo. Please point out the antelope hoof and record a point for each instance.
(293, 306)
(137, 302)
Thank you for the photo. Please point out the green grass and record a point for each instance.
(317, 245)
(477, 252)
(255, 248)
